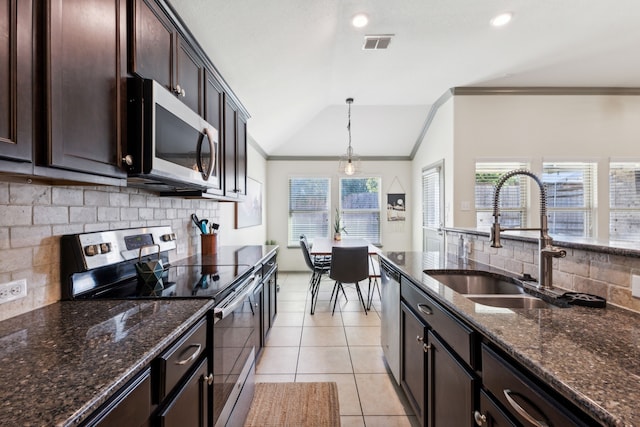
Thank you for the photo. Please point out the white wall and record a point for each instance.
(395, 236)
(257, 235)
(437, 145)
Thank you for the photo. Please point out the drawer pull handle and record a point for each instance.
(480, 419)
(425, 309)
(192, 357)
(520, 410)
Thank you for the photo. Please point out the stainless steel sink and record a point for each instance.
(510, 301)
(478, 283)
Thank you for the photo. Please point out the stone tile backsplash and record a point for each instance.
(602, 274)
(34, 216)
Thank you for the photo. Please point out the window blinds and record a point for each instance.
(513, 195)
(308, 208)
(360, 207)
(624, 201)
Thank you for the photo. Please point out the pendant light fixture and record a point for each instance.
(350, 162)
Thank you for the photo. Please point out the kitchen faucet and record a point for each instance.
(546, 250)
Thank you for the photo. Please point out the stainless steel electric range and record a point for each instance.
(102, 265)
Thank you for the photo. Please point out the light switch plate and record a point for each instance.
(635, 285)
(465, 205)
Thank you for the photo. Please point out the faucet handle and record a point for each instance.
(494, 235)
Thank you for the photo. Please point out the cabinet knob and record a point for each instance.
(479, 418)
(179, 91)
(128, 160)
(209, 379)
(419, 338)
(426, 347)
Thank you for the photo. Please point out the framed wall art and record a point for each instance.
(249, 211)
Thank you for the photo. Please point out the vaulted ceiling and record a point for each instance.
(294, 62)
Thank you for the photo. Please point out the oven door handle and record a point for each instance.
(236, 300)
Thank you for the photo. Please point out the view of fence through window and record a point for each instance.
(360, 207)
(624, 201)
(570, 194)
(513, 195)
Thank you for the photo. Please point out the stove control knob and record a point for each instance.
(168, 237)
(91, 250)
(105, 248)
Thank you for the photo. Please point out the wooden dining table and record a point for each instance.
(322, 245)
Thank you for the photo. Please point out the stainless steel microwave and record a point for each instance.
(169, 146)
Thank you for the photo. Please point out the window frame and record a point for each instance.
(501, 167)
(629, 166)
(294, 240)
(377, 211)
(589, 170)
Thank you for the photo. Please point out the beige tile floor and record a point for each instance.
(344, 348)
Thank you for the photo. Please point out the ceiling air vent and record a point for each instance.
(376, 41)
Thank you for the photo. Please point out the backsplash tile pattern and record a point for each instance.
(602, 274)
(34, 216)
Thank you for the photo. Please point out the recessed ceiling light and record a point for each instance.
(501, 19)
(360, 20)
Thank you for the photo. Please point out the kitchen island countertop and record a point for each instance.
(588, 355)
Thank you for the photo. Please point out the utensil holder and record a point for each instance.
(209, 244)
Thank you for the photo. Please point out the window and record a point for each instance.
(570, 197)
(360, 207)
(432, 196)
(624, 201)
(308, 208)
(513, 194)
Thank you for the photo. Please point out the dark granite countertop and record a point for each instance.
(61, 362)
(588, 355)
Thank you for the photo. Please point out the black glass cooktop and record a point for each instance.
(178, 281)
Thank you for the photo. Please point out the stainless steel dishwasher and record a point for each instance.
(390, 315)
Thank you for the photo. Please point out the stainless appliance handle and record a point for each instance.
(212, 149)
(235, 300)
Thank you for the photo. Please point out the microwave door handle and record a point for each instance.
(212, 149)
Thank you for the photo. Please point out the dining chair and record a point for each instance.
(318, 269)
(374, 275)
(348, 265)
(315, 258)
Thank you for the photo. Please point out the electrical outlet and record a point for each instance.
(13, 290)
(635, 286)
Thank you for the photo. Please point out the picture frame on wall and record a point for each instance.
(396, 206)
(249, 211)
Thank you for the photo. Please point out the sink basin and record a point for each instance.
(477, 283)
(510, 301)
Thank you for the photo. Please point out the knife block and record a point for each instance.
(209, 244)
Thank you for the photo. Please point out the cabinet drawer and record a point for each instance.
(457, 335)
(491, 414)
(174, 363)
(525, 401)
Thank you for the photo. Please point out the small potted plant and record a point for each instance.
(337, 227)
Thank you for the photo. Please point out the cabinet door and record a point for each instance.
(189, 73)
(490, 414)
(451, 389)
(85, 85)
(16, 81)
(189, 407)
(152, 35)
(230, 133)
(131, 405)
(241, 156)
(213, 107)
(413, 366)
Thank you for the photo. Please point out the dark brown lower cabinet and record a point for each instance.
(490, 413)
(413, 366)
(130, 407)
(189, 406)
(451, 389)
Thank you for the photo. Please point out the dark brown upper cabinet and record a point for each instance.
(235, 151)
(16, 85)
(213, 107)
(159, 52)
(85, 86)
